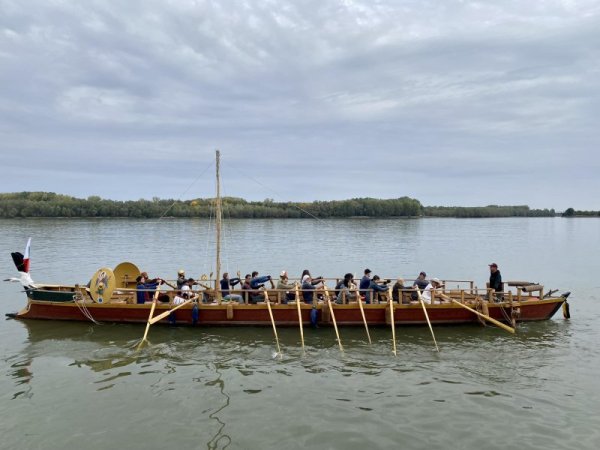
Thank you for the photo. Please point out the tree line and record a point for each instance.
(570, 212)
(49, 204)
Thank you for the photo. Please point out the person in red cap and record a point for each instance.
(496, 280)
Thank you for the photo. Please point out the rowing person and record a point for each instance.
(145, 288)
(186, 294)
(226, 284)
(365, 282)
(397, 291)
(433, 284)
(346, 289)
(375, 287)
(256, 284)
(420, 283)
(309, 286)
(284, 285)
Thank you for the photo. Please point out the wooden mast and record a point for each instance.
(218, 226)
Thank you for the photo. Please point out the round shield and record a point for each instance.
(125, 275)
(102, 285)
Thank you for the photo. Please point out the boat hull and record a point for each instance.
(285, 315)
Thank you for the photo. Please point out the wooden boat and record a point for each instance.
(111, 297)
(75, 303)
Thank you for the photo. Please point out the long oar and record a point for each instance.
(483, 316)
(273, 323)
(268, 302)
(362, 313)
(154, 300)
(328, 297)
(393, 321)
(300, 317)
(166, 313)
(427, 317)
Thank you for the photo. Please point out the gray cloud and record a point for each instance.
(450, 102)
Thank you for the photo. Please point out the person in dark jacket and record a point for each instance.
(420, 283)
(397, 291)
(375, 287)
(256, 283)
(145, 288)
(309, 286)
(365, 281)
(496, 281)
(226, 284)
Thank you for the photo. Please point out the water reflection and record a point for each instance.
(220, 439)
(22, 375)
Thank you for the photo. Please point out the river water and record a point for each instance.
(79, 385)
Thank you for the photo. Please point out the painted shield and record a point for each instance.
(102, 285)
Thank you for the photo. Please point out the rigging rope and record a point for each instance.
(77, 297)
(281, 197)
(186, 190)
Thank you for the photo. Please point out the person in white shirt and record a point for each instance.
(185, 295)
(434, 283)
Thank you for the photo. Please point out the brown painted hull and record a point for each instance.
(286, 315)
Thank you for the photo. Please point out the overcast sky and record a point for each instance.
(450, 102)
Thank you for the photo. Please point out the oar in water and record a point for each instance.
(328, 297)
(362, 313)
(426, 317)
(154, 300)
(393, 321)
(483, 316)
(268, 302)
(300, 317)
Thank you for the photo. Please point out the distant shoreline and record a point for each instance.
(52, 205)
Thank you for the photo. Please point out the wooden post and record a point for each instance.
(218, 215)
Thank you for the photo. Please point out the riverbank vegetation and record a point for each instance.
(48, 204)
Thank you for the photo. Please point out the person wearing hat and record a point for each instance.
(433, 284)
(181, 279)
(284, 285)
(496, 280)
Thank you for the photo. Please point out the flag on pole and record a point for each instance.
(26, 256)
(22, 261)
